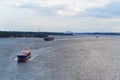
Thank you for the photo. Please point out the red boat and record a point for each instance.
(24, 55)
(48, 38)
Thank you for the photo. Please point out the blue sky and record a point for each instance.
(60, 15)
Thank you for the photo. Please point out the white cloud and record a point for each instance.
(66, 13)
(70, 8)
(29, 18)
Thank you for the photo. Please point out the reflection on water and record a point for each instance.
(65, 58)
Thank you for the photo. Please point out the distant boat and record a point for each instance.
(48, 38)
(97, 36)
(24, 55)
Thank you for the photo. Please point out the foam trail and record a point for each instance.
(15, 59)
(37, 53)
(32, 58)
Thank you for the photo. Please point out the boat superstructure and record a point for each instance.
(48, 38)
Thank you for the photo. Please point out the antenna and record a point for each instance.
(38, 30)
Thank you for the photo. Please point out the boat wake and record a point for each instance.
(15, 59)
(37, 53)
(32, 58)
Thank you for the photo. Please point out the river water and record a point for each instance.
(65, 58)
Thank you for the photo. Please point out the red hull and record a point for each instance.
(24, 56)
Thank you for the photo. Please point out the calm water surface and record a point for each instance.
(65, 58)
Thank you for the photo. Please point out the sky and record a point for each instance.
(60, 15)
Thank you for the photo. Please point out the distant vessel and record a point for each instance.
(97, 36)
(24, 55)
(48, 38)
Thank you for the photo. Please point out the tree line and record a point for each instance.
(30, 34)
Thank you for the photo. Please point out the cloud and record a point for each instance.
(69, 8)
(108, 11)
(50, 15)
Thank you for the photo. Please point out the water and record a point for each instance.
(65, 58)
